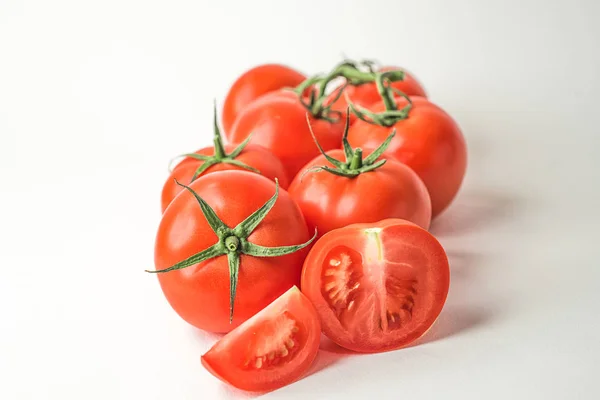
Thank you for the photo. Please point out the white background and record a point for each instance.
(96, 97)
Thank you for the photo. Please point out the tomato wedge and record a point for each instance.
(376, 287)
(270, 350)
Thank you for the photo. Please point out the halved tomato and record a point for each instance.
(376, 287)
(272, 349)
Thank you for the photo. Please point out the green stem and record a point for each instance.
(385, 93)
(220, 156)
(357, 160)
(219, 149)
(299, 90)
(355, 76)
(319, 103)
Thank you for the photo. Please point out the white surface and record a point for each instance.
(96, 97)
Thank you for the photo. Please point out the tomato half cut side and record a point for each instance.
(377, 287)
(270, 350)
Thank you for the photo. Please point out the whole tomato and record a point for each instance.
(222, 158)
(277, 121)
(365, 94)
(254, 83)
(340, 188)
(227, 247)
(427, 139)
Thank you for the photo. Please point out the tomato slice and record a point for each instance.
(377, 287)
(272, 349)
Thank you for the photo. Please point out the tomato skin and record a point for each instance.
(429, 141)
(401, 247)
(254, 83)
(226, 359)
(367, 94)
(277, 121)
(252, 155)
(200, 293)
(329, 201)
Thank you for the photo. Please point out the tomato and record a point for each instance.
(270, 350)
(366, 94)
(256, 157)
(222, 158)
(221, 255)
(429, 141)
(278, 122)
(376, 287)
(357, 190)
(254, 83)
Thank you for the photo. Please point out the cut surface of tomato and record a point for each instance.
(377, 287)
(272, 349)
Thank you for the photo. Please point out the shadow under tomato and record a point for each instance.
(454, 320)
(207, 337)
(474, 211)
(329, 354)
(229, 392)
(459, 314)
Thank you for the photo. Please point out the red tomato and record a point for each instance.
(254, 156)
(270, 350)
(201, 292)
(277, 121)
(429, 141)
(376, 287)
(366, 94)
(330, 201)
(253, 84)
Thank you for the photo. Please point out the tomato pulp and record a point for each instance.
(271, 349)
(376, 287)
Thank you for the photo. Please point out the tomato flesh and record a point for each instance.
(377, 287)
(270, 350)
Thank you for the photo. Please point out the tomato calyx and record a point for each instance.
(392, 114)
(233, 242)
(220, 155)
(355, 164)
